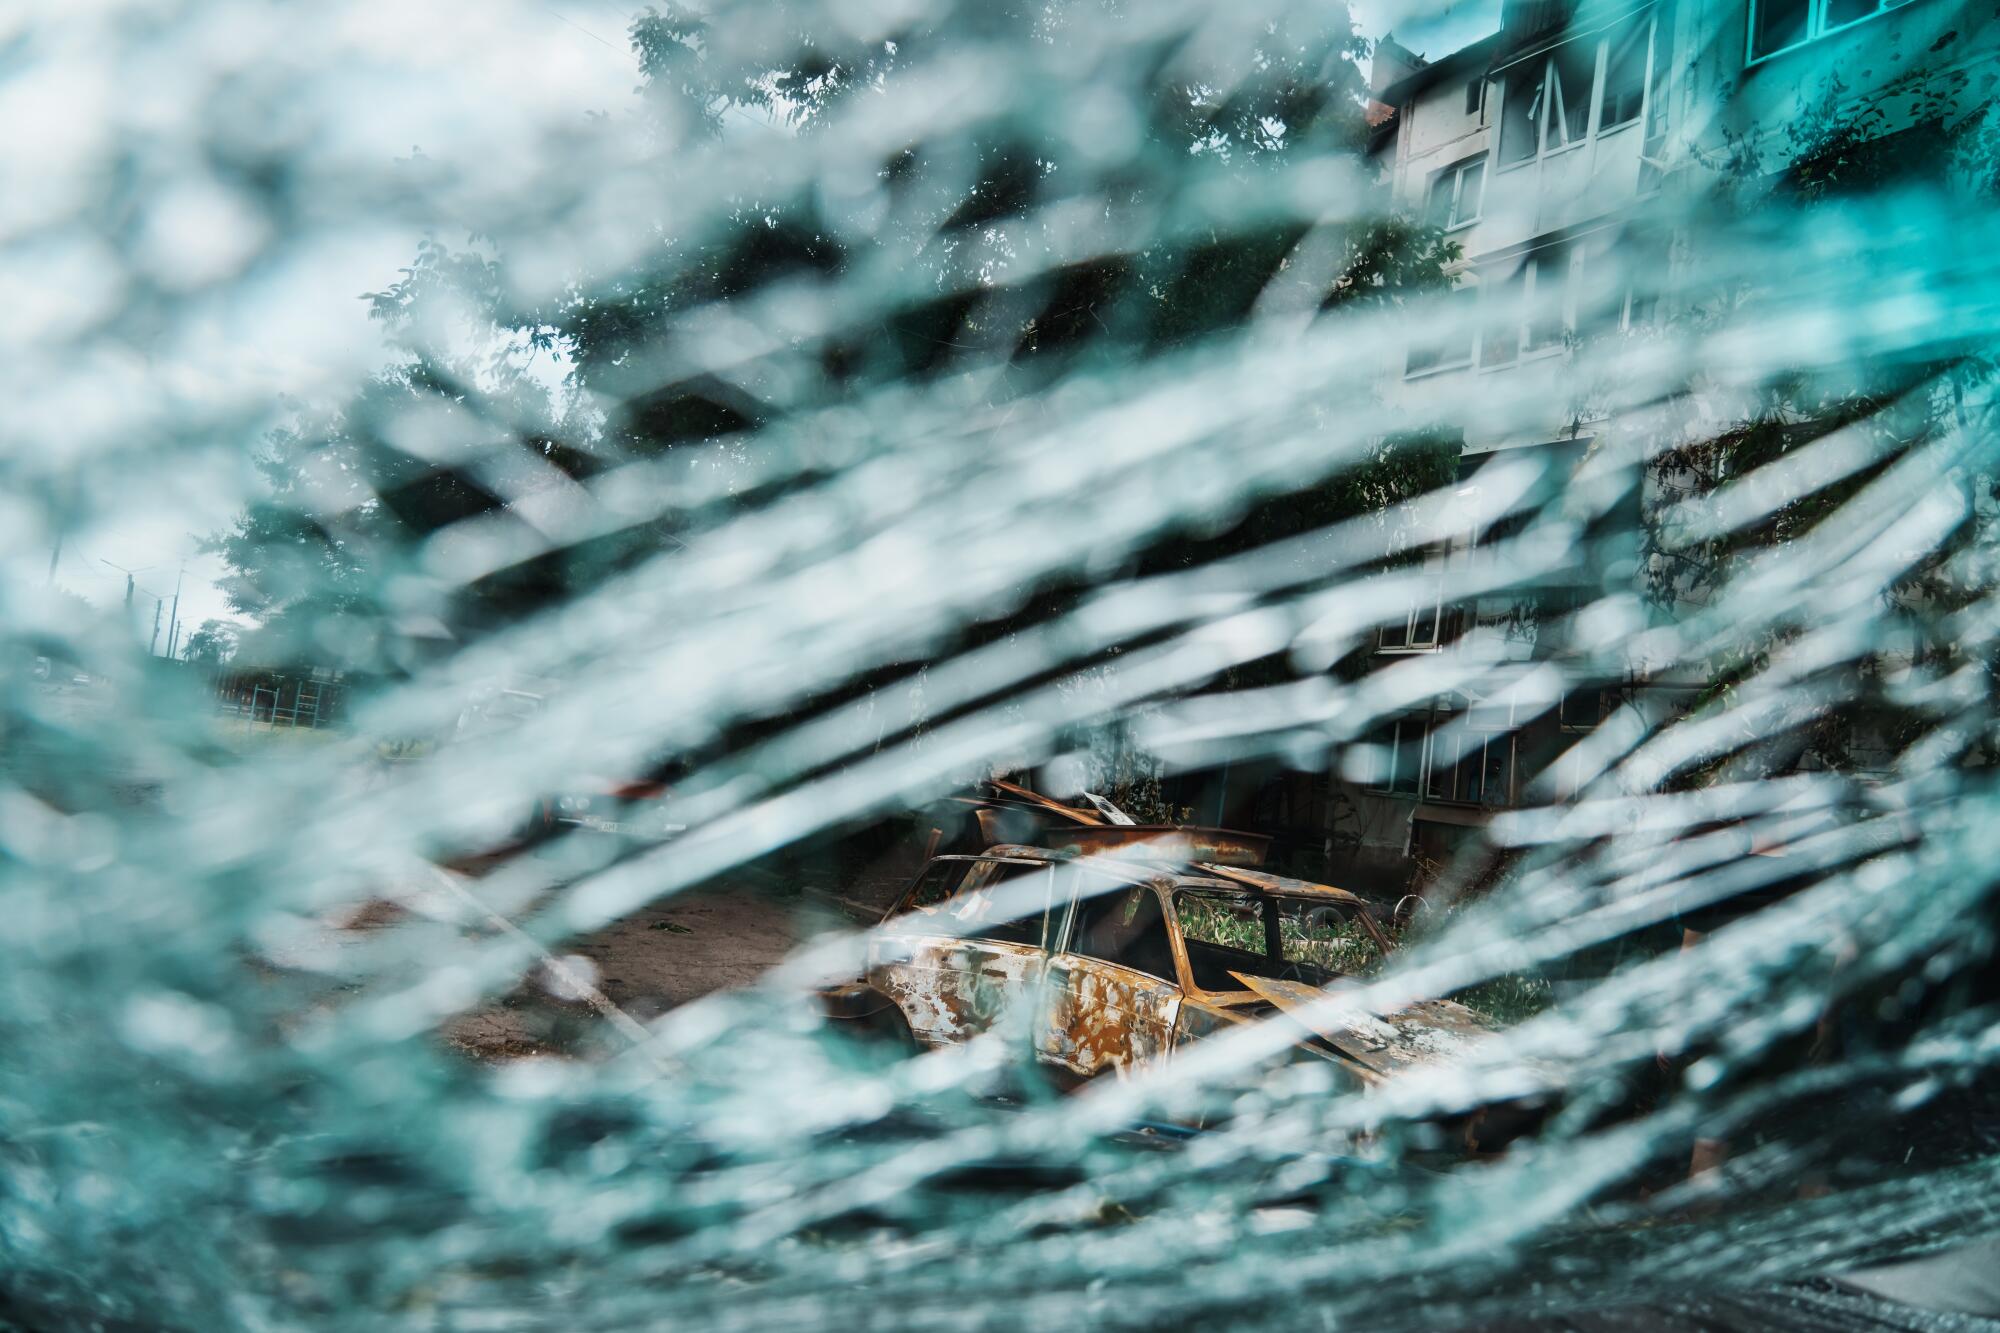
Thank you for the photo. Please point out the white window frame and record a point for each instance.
(1418, 751)
(1627, 296)
(1816, 28)
(1558, 122)
(1572, 264)
(1457, 170)
(1513, 77)
(1651, 21)
(1567, 707)
(1434, 606)
(1454, 736)
(1532, 262)
(1595, 249)
(1442, 773)
(1467, 298)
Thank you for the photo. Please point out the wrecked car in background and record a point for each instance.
(1112, 960)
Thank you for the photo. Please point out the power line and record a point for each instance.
(580, 28)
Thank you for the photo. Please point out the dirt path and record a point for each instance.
(631, 971)
(646, 964)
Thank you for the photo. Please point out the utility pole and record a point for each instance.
(129, 575)
(174, 619)
(62, 508)
(153, 648)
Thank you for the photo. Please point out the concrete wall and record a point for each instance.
(1896, 57)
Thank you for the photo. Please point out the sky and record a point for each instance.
(580, 56)
(1428, 27)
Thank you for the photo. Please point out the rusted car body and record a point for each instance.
(1110, 962)
(1006, 812)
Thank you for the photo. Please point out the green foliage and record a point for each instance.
(213, 644)
(1210, 921)
(1318, 937)
(1847, 149)
(1330, 941)
(328, 560)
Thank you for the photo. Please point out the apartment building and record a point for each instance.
(1552, 152)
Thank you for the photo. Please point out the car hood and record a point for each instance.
(1430, 1032)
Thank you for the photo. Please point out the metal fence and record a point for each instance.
(281, 701)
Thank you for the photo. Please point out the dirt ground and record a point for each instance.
(627, 973)
(646, 964)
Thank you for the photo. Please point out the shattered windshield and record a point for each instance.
(527, 527)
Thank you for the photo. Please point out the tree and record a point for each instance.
(211, 645)
(964, 269)
(326, 559)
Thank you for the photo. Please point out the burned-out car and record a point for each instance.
(1111, 961)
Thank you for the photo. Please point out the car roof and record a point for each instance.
(1199, 875)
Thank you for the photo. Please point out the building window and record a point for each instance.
(1471, 767)
(1487, 754)
(1557, 100)
(1778, 25)
(1399, 756)
(1456, 194)
(1417, 631)
(1548, 298)
(1581, 709)
(1529, 305)
(1625, 62)
(1475, 99)
(1840, 13)
(1447, 343)
(1620, 308)
(1503, 289)
(1618, 284)
(1616, 306)
(1457, 751)
(1572, 83)
(1448, 752)
(1520, 113)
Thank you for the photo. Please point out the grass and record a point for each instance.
(1508, 999)
(1338, 945)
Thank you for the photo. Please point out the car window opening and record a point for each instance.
(1280, 939)
(1126, 928)
(981, 898)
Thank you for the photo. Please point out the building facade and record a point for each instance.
(1563, 155)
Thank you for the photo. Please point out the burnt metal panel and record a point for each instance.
(1169, 844)
(952, 989)
(1103, 1018)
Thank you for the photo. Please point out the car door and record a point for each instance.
(997, 968)
(1112, 993)
(958, 966)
